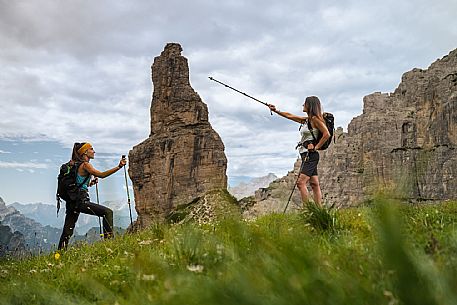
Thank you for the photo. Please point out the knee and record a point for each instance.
(109, 213)
(314, 185)
(301, 182)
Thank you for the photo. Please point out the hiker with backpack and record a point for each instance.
(316, 137)
(74, 179)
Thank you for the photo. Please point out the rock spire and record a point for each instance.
(183, 158)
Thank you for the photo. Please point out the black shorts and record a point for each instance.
(309, 163)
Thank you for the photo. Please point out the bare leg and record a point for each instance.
(301, 183)
(317, 194)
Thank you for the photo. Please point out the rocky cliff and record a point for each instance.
(183, 157)
(403, 141)
(212, 207)
(273, 199)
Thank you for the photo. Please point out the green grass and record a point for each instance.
(385, 253)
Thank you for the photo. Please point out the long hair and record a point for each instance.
(314, 107)
(75, 157)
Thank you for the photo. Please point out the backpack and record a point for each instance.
(67, 188)
(329, 120)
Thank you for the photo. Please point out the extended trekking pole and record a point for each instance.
(98, 202)
(213, 79)
(128, 195)
(293, 189)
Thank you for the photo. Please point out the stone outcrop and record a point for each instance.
(210, 208)
(404, 142)
(183, 158)
(273, 199)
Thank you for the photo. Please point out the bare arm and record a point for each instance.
(319, 124)
(287, 115)
(94, 172)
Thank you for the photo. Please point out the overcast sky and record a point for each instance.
(80, 71)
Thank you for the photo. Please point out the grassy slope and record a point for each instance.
(373, 255)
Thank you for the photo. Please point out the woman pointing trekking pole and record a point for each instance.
(81, 156)
(308, 146)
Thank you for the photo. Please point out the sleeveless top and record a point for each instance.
(306, 137)
(80, 179)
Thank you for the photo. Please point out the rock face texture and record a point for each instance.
(404, 141)
(210, 208)
(273, 199)
(183, 157)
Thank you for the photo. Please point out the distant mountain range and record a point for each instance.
(46, 215)
(35, 236)
(11, 243)
(245, 189)
(36, 228)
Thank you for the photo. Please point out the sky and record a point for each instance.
(76, 71)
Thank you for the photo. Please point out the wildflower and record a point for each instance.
(148, 277)
(57, 256)
(195, 268)
(145, 242)
(220, 249)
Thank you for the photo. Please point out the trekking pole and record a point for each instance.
(213, 79)
(98, 202)
(293, 189)
(128, 195)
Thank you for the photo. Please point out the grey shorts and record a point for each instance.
(309, 163)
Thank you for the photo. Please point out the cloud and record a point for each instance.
(4, 152)
(23, 165)
(80, 71)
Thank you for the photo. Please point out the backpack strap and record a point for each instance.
(310, 128)
(82, 183)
